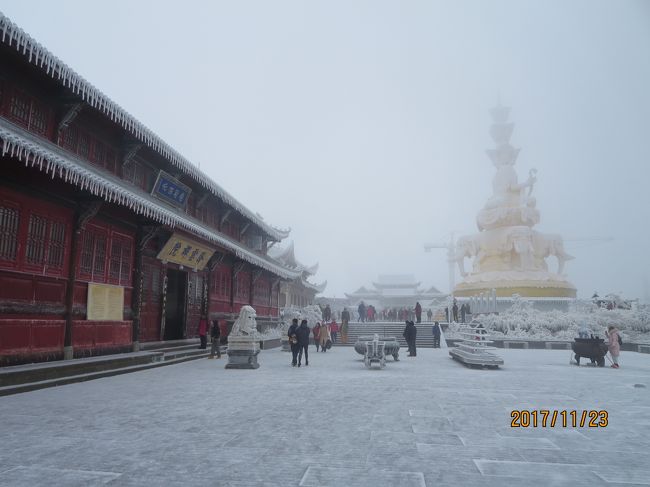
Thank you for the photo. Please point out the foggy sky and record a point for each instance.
(363, 125)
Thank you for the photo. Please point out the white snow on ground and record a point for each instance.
(420, 421)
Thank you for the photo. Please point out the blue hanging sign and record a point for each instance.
(171, 190)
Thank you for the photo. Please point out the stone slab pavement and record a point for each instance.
(421, 421)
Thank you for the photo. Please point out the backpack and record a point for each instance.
(620, 342)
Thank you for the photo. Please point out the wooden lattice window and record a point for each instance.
(83, 149)
(38, 121)
(92, 262)
(45, 243)
(28, 112)
(9, 222)
(36, 232)
(20, 108)
(69, 138)
(120, 261)
(56, 245)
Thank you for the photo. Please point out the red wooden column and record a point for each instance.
(143, 235)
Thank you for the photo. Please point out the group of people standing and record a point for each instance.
(324, 335)
(411, 332)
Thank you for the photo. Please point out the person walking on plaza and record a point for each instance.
(614, 344)
(462, 312)
(334, 329)
(429, 314)
(316, 331)
(293, 341)
(362, 312)
(418, 312)
(215, 335)
(302, 334)
(327, 313)
(410, 334)
(435, 329)
(345, 319)
(454, 309)
(325, 337)
(203, 332)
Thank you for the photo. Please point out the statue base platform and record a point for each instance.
(286, 347)
(525, 284)
(243, 352)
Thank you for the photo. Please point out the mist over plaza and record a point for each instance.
(363, 126)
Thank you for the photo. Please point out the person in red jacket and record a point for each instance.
(334, 329)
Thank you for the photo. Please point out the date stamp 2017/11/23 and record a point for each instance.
(544, 418)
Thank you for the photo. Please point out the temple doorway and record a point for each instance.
(176, 305)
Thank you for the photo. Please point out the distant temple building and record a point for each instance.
(396, 291)
(299, 291)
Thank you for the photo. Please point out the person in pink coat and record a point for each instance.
(614, 344)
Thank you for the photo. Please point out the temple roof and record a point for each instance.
(396, 281)
(287, 257)
(52, 159)
(39, 56)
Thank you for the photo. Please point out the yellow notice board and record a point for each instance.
(186, 252)
(105, 303)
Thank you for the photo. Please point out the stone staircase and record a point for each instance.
(393, 329)
(29, 377)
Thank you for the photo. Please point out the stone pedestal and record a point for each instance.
(242, 352)
(286, 347)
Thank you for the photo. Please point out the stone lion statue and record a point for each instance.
(245, 325)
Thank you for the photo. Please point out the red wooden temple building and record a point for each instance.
(108, 236)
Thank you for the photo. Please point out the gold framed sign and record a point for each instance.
(105, 302)
(185, 252)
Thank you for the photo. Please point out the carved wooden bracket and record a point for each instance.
(148, 232)
(130, 150)
(216, 259)
(225, 216)
(73, 109)
(237, 268)
(256, 275)
(87, 211)
(202, 200)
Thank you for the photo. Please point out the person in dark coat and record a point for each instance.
(327, 313)
(293, 341)
(454, 309)
(410, 334)
(447, 314)
(215, 334)
(436, 335)
(463, 310)
(362, 312)
(302, 333)
(418, 312)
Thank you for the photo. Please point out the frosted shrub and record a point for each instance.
(521, 320)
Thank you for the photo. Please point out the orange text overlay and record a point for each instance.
(545, 418)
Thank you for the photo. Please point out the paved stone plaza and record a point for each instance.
(422, 421)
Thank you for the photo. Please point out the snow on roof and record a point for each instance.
(396, 280)
(39, 56)
(48, 157)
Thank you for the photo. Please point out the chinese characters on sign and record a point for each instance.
(170, 190)
(186, 252)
